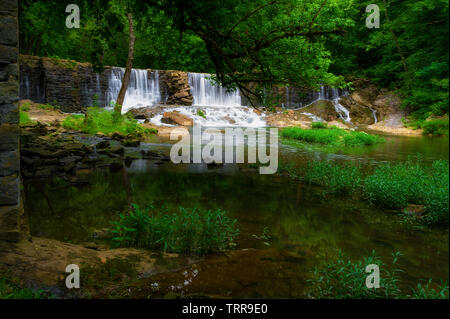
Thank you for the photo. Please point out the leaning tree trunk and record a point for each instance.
(126, 76)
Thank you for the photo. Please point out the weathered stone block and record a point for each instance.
(8, 54)
(9, 163)
(9, 92)
(9, 217)
(9, 7)
(11, 236)
(8, 30)
(9, 72)
(9, 137)
(9, 190)
(9, 113)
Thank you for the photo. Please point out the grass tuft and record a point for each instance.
(106, 122)
(332, 136)
(189, 231)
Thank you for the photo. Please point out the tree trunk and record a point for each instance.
(126, 76)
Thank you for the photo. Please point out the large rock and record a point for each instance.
(177, 119)
(359, 113)
(143, 113)
(176, 86)
(323, 109)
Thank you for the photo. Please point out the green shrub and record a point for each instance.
(189, 231)
(345, 279)
(436, 127)
(338, 179)
(397, 185)
(74, 122)
(319, 125)
(332, 136)
(105, 121)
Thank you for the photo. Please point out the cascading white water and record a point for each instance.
(332, 94)
(220, 107)
(237, 116)
(141, 91)
(340, 109)
(207, 93)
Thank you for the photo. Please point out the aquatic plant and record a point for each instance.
(337, 178)
(332, 136)
(346, 279)
(188, 231)
(426, 291)
(105, 121)
(397, 185)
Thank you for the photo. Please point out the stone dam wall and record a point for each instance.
(11, 209)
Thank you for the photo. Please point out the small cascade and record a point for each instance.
(237, 116)
(142, 91)
(207, 93)
(340, 109)
(374, 113)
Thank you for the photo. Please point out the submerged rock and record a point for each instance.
(176, 118)
(415, 210)
(131, 143)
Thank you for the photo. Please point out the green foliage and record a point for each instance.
(48, 107)
(25, 107)
(346, 279)
(201, 113)
(319, 125)
(428, 292)
(332, 136)
(189, 231)
(10, 290)
(337, 178)
(104, 121)
(418, 30)
(392, 186)
(24, 118)
(397, 185)
(436, 126)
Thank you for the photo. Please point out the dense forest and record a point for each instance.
(302, 43)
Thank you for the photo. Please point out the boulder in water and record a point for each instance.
(177, 119)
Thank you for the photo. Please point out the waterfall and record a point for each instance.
(207, 93)
(374, 113)
(142, 91)
(340, 109)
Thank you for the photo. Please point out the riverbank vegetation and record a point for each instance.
(332, 136)
(389, 186)
(188, 231)
(12, 290)
(346, 279)
(97, 120)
